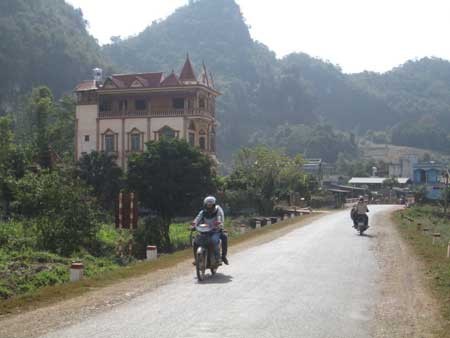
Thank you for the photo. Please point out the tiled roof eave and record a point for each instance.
(159, 89)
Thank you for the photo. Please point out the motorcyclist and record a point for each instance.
(213, 215)
(360, 209)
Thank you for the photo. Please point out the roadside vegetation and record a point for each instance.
(54, 211)
(417, 225)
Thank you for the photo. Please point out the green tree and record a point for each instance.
(41, 106)
(170, 177)
(12, 163)
(267, 175)
(59, 208)
(100, 171)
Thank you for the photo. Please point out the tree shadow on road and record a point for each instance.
(218, 278)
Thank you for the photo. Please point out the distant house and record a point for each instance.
(376, 183)
(404, 167)
(318, 168)
(430, 175)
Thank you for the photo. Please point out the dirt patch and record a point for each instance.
(406, 307)
(40, 321)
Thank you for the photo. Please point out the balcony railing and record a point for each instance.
(157, 113)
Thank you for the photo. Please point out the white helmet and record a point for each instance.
(209, 200)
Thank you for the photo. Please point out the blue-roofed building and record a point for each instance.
(430, 175)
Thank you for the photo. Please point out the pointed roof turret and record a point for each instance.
(171, 80)
(213, 85)
(203, 79)
(187, 73)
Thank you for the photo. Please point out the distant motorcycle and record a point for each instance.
(204, 256)
(361, 223)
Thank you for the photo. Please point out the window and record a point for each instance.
(86, 138)
(178, 103)
(202, 142)
(135, 142)
(140, 105)
(201, 102)
(105, 105)
(192, 139)
(109, 143)
(212, 142)
(123, 105)
(167, 132)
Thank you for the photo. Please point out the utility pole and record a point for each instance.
(446, 175)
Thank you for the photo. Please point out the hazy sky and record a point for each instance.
(356, 34)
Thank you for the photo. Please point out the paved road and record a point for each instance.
(317, 281)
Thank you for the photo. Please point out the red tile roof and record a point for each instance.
(86, 85)
(148, 80)
(171, 80)
(152, 80)
(187, 73)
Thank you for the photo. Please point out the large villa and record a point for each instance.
(122, 113)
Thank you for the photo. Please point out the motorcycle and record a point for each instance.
(360, 224)
(204, 256)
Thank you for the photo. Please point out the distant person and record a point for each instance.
(360, 209)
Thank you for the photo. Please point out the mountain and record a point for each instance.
(267, 100)
(419, 94)
(43, 42)
(259, 91)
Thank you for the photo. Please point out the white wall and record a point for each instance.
(86, 116)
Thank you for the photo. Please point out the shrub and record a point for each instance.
(60, 209)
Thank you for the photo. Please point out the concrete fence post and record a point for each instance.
(436, 237)
(258, 224)
(242, 228)
(152, 252)
(269, 221)
(76, 271)
(292, 215)
(448, 250)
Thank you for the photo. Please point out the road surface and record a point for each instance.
(320, 280)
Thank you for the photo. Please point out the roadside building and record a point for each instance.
(121, 114)
(431, 175)
(403, 167)
(319, 169)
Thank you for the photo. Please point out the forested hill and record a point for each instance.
(43, 42)
(419, 94)
(262, 92)
(280, 102)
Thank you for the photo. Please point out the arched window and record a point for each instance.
(135, 140)
(167, 132)
(109, 141)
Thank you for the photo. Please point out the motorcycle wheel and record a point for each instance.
(361, 231)
(200, 266)
(213, 271)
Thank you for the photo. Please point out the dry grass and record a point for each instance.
(433, 256)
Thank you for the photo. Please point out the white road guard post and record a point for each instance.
(269, 221)
(76, 271)
(448, 250)
(152, 252)
(292, 215)
(242, 228)
(258, 224)
(285, 217)
(436, 237)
